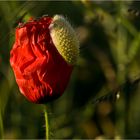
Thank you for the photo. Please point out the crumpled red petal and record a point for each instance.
(40, 71)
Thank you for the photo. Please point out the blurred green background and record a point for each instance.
(109, 58)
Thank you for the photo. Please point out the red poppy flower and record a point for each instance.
(42, 58)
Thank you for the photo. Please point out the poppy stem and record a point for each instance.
(46, 123)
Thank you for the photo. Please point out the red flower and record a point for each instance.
(41, 73)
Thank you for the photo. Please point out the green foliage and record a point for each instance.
(109, 57)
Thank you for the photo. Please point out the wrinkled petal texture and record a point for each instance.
(41, 73)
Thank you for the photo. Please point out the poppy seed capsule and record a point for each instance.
(64, 39)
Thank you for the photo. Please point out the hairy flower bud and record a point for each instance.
(64, 39)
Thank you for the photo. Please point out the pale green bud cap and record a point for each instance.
(64, 39)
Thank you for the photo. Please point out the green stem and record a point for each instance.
(1, 126)
(46, 123)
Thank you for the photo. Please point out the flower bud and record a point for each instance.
(64, 39)
(43, 56)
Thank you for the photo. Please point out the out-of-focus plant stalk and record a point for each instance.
(1, 125)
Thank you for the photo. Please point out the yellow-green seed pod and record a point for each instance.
(64, 39)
